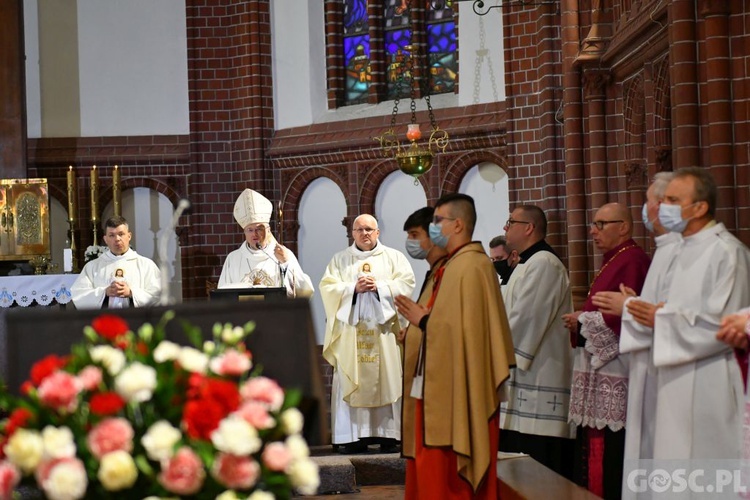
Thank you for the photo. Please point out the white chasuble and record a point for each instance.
(141, 274)
(360, 341)
(700, 395)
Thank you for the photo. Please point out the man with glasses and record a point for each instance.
(261, 261)
(698, 381)
(451, 399)
(599, 391)
(503, 258)
(534, 419)
(358, 289)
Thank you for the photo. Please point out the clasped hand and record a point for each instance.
(409, 309)
(118, 289)
(365, 284)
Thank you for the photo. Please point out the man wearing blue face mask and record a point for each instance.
(418, 243)
(698, 382)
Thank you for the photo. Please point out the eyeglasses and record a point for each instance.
(438, 219)
(599, 224)
(365, 230)
(510, 222)
(255, 230)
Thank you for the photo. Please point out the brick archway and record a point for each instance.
(457, 169)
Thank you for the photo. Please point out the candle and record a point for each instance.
(94, 194)
(116, 191)
(67, 260)
(72, 195)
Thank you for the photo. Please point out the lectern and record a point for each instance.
(242, 294)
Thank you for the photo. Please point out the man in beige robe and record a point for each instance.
(358, 289)
(450, 419)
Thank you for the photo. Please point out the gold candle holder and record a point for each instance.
(94, 202)
(117, 191)
(72, 194)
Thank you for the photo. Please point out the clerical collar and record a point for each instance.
(370, 250)
(539, 246)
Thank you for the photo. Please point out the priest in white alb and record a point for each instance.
(698, 382)
(261, 261)
(358, 289)
(119, 277)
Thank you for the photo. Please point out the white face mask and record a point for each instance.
(415, 250)
(646, 221)
(670, 216)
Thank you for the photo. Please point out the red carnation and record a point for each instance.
(46, 367)
(106, 403)
(201, 418)
(110, 326)
(209, 401)
(18, 418)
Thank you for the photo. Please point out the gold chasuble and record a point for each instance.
(468, 350)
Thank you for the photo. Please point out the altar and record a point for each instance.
(42, 289)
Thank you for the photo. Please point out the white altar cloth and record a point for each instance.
(42, 289)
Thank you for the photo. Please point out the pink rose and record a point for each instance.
(60, 391)
(90, 377)
(182, 474)
(237, 473)
(256, 414)
(9, 478)
(263, 390)
(111, 434)
(276, 456)
(232, 363)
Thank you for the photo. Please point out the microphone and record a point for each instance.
(282, 273)
(182, 205)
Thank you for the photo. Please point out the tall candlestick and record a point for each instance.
(94, 194)
(72, 194)
(116, 191)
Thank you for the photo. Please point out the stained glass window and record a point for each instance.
(439, 32)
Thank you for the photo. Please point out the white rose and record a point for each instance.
(297, 447)
(66, 481)
(166, 351)
(159, 440)
(193, 360)
(117, 471)
(304, 476)
(24, 449)
(292, 421)
(228, 495)
(236, 437)
(58, 442)
(261, 495)
(136, 383)
(112, 359)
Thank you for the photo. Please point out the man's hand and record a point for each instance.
(401, 335)
(571, 321)
(118, 289)
(280, 253)
(732, 331)
(410, 310)
(644, 312)
(366, 284)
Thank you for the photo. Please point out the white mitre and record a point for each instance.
(252, 208)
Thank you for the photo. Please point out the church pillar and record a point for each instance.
(12, 105)
(684, 79)
(575, 187)
(719, 122)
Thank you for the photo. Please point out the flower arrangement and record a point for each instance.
(133, 415)
(93, 252)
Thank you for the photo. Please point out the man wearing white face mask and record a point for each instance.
(698, 382)
(418, 243)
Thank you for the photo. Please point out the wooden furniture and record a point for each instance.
(525, 478)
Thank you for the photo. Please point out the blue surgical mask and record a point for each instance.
(415, 250)
(646, 222)
(670, 216)
(437, 236)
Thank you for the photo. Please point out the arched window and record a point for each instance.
(374, 43)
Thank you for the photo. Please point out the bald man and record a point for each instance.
(358, 289)
(599, 392)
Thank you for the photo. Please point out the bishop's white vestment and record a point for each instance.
(141, 274)
(538, 392)
(360, 342)
(248, 267)
(700, 394)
